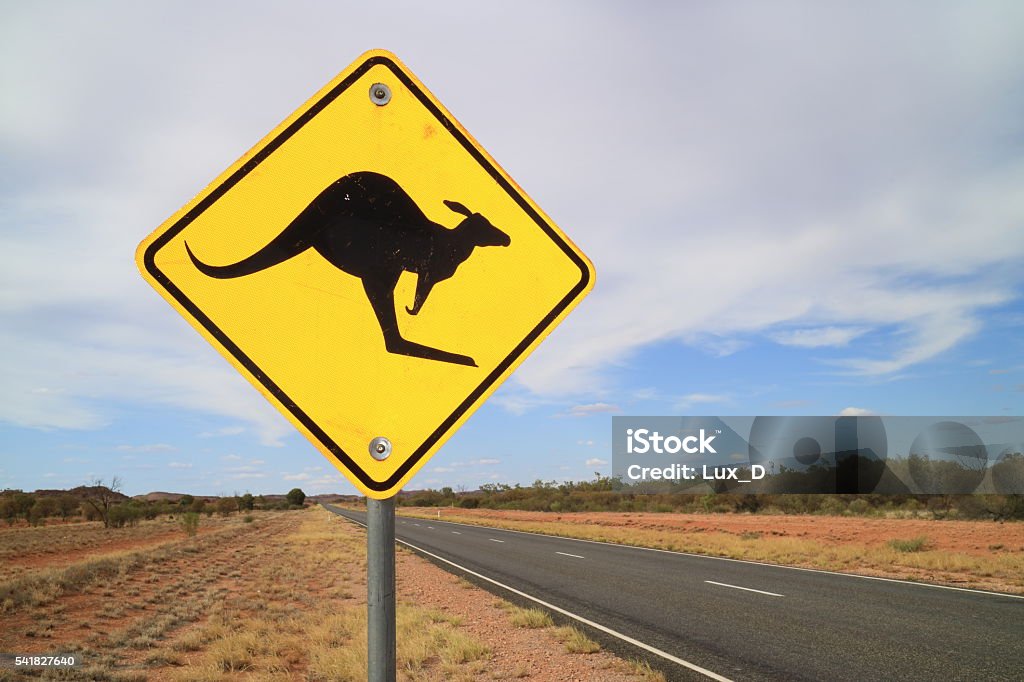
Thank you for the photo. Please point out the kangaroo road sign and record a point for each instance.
(371, 270)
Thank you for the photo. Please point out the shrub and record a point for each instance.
(918, 544)
(122, 515)
(190, 523)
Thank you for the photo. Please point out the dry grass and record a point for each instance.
(280, 598)
(530, 618)
(39, 587)
(921, 563)
(288, 620)
(575, 641)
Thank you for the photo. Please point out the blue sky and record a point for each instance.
(793, 209)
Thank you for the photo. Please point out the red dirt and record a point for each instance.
(966, 537)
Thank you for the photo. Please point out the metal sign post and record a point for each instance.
(380, 589)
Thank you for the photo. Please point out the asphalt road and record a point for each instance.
(739, 620)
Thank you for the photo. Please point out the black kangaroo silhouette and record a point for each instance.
(366, 225)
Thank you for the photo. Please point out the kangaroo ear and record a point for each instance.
(458, 208)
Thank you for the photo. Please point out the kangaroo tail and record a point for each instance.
(290, 243)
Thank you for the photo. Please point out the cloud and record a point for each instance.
(303, 476)
(592, 409)
(587, 443)
(443, 470)
(226, 431)
(485, 461)
(155, 447)
(856, 412)
(179, 465)
(687, 401)
(232, 458)
(817, 337)
(595, 462)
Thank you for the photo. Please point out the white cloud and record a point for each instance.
(297, 477)
(232, 458)
(484, 461)
(817, 337)
(592, 408)
(179, 465)
(226, 431)
(855, 412)
(155, 447)
(595, 462)
(691, 399)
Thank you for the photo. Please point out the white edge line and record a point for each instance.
(575, 556)
(745, 561)
(597, 626)
(455, 532)
(493, 540)
(748, 589)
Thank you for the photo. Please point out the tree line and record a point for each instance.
(601, 495)
(106, 503)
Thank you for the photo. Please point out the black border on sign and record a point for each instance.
(150, 263)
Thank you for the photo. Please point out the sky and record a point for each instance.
(793, 209)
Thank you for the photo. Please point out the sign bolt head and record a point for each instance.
(380, 448)
(380, 94)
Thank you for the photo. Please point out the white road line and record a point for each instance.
(747, 561)
(597, 626)
(493, 540)
(575, 556)
(455, 532)
(430, 527)
(748, 589)
(415, 524)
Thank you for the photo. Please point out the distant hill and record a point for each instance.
(334, 498)
(84, 491)
(171, 497)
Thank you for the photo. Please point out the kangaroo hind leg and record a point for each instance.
(382, 297)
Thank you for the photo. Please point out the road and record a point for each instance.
(702, 617)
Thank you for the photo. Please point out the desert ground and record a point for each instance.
(268, 596)
(984, 555)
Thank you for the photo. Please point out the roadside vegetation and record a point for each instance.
(261, 595)
(571, 638)
(600, 495)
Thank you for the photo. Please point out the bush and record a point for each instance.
(296, 497)
(860, 507)
(125, 514)
(190, 523)
(225, 506)
(918, 544)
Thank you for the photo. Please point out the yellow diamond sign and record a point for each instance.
(371, 270)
